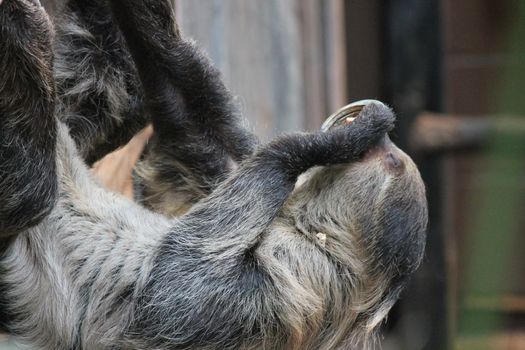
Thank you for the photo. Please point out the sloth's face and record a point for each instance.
(373, 209)
(386, 207)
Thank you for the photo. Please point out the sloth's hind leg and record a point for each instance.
(199, 136)
(98, 87)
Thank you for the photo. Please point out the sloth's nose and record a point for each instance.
(393, 160)
(392, 154)
(388, 153)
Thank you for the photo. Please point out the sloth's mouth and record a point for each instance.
(346, 114)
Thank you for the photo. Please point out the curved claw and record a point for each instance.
(346, 114)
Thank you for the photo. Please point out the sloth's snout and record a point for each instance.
(392, 155)
(388, 153)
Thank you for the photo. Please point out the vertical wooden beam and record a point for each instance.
(335, 53)
(365, 55)
(313, 65)
(256, 44)
(413, 84)
(285, 59)
(323, 33)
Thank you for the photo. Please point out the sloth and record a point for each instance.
(305, 242)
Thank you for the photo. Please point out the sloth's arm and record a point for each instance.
(27, 122)
(199, 135)
(251, 198)
(207, 277)
(97, 85)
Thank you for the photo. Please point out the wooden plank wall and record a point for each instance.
(284, 59)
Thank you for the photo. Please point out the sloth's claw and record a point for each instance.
(347, 114)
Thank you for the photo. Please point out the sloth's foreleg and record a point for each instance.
(27, 116)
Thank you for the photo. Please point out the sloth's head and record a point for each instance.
(369, 216)
(376, 205)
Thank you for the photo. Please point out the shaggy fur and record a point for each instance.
(259, 261)
(97, 84)
(99, 93)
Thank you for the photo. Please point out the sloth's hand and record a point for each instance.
(350, 132)
(344, 143)
(347, 114)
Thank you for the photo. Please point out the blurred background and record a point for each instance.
(454, 71)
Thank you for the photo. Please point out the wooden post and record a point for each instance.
(413, 84)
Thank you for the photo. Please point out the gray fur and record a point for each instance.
(66, 274)
(303, 243)
(69, 276)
